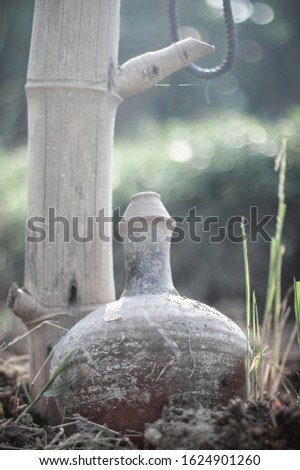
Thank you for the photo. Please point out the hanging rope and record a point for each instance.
(225, 65)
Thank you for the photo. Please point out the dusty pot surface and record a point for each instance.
(133, 354)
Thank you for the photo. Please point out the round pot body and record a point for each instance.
(133, 354)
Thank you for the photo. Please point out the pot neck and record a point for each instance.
(147, 231)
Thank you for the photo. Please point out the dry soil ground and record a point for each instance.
(184, 424)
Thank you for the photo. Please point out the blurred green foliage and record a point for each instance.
(13, 202)
(220, 165)
(204, 144)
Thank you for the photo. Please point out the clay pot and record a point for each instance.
(133, 354)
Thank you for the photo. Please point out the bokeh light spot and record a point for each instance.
(179, 151)
(262, 13)
(257, 134)
(250, 51)
(226, 85)
(287, 126)
(241, 9)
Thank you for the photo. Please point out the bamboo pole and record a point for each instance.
(73, 90)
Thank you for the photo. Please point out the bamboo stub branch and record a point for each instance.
(143, 72)
(24, 305)
(28, 308)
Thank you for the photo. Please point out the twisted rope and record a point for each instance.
(225, 65)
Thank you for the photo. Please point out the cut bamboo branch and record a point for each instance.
(29, 310)
(24, 305)
(143, 72)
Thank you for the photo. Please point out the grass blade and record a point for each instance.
(276, 241)
(297, 307)
(248, 309)
(60, 368)
(58, 390)
(26, 392)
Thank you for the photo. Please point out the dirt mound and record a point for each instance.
(185, 424)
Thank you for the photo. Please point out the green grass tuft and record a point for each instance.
(47, 390)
